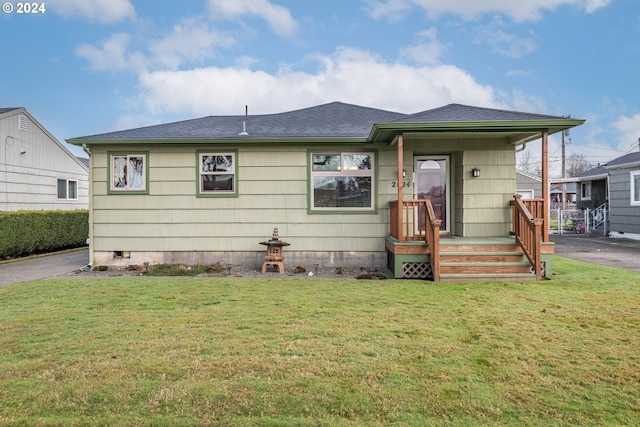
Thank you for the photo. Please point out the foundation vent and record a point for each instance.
(417, 270)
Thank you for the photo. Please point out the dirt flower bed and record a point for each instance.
(224, 270)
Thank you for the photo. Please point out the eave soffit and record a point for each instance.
(513, 132)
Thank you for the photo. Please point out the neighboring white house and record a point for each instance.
(528, 186)
(37, 172)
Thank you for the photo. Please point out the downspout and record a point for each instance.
(86, 150)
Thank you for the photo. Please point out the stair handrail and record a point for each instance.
(528, 234)
(602, 210)
(432, 236)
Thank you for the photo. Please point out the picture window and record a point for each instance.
(342, 181)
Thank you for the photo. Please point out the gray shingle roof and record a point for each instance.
(600, 170)
(627, 158)
(333, 120)
(336, 119)
(466, 113)
(6, 110)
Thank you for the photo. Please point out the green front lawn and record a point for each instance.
(231, 351)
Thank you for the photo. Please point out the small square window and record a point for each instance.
(67, 189)
(129, 173)
(217, 173)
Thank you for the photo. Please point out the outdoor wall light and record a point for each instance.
(475, 172)
(22, 151)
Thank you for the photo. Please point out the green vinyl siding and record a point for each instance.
(273, 187)
(272, 183)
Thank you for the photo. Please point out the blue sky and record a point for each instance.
(83, 67)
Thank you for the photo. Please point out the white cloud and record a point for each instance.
(279, 18)
(392, 10)
(349, 75)
(519, 10)
(94, 10)
(192, 40)
(112, 55)
(503, 43)
(628, 129)
(427, 51)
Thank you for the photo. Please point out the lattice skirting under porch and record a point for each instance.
(417, 270)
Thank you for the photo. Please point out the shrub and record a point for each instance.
(28, 232)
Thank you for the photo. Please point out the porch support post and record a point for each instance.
(400, 186)
(545, 185)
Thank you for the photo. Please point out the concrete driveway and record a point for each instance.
(43, 267)
(620, 253)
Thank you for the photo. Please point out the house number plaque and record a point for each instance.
(405, 184)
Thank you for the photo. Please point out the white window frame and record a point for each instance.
(342, 172)
(201, 156)
(633, 176)
(67, 188)
(130, 184)
(585, 185)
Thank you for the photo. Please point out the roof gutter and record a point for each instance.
(86, 150)
(218, 141)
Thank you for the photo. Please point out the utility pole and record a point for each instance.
(564, 173)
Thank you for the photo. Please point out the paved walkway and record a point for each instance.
(43, 267)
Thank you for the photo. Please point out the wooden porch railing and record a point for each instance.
(433, 241)
(527, 227)
(415, 220)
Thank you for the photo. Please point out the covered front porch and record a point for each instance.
(460, 218)
(416, 249)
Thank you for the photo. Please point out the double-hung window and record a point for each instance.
(217, 173)
(342, 181)
(635, 188)
(129, 173)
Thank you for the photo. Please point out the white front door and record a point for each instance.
(432, 180)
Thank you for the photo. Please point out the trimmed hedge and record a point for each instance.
(28, 232)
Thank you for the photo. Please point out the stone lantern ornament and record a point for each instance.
(274, 253)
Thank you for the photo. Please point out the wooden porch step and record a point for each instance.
(455, 277)
(478, 261)
(484, 256)
(484, 267)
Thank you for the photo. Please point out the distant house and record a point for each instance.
(624, 196)
(557, 190)
(528, 186)
(592, 188)
(37, 172)
(344, 184)
(616, 186)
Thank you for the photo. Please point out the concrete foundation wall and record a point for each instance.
(248, 259)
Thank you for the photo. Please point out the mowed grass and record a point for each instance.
(274, 352)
